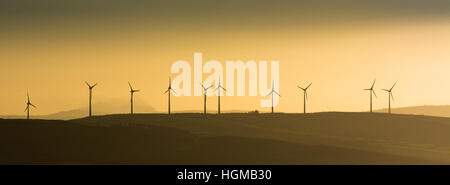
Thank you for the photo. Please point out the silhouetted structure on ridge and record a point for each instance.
(132, 91)
(372, 91)
(218, 96)
(28, 106)
(305, 96)
(205, 91)
(273, 91)
(168, 91)
(390, 96)
(90, 97)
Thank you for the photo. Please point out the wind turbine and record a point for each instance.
(305, 96)
(218, 89)
(28, 106)
(372, 91)
(90, 97)
(205, 89)
(390, 96)
(271, 93)
(168, 91)
(132, 91)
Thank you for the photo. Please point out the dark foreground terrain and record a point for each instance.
(322, 138)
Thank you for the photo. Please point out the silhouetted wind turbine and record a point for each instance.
(132, 91)
(372, 91)
(218, 89)
(271, 93)
(305, 96)
(28, 106)
(168, 91)
(90, 97)
(390, 96)
(205, 91)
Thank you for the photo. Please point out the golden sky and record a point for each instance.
(51, 50)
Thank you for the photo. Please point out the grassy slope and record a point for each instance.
(406, 135)
(323, 138)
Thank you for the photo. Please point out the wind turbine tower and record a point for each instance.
(90, 97)
(372, 91)
(205, 92)
(168, 92)
(28, 106)
(390, 96)
(272, 92)
(132, 91)
(305, 96)
(218, 95)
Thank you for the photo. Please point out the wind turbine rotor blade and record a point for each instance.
(277, 93)
(393, 86)
(223, 89)
(173, 91)
(308, 86)
(269, 93)
(130, 86)
(385, 90)
(206, 89)
(87, 84)
(392, 96)
(26, 108)
(94, 85)
(374, 93)
(373, 84)
(220, 87)
(167, 91)
(32, 105)
(202, 86)
(300, 87)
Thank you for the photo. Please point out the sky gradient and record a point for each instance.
(51, 47)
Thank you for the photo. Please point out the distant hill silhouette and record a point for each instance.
(123, 108)
(101, 108)
(428, 110)
(83, 112)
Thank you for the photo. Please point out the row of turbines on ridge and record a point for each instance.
(205, 89)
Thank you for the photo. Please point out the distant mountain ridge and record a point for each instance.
(428, 110)
(106, 109)
(98, 109)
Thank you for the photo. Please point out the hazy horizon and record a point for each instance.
(50, 48)
(120, 107)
